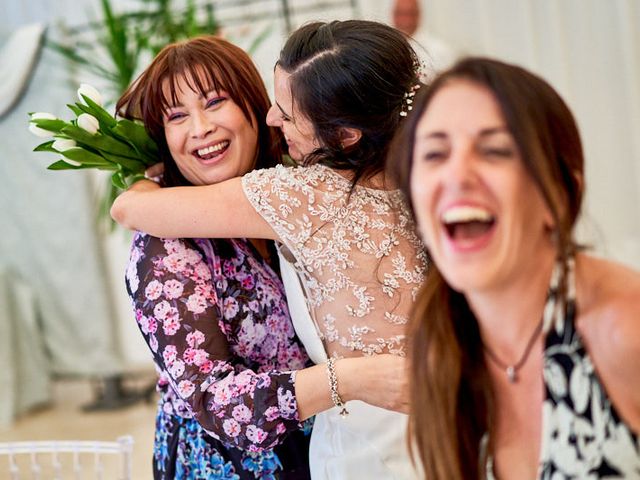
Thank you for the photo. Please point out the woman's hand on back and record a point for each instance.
(379, 380)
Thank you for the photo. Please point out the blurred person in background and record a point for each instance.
(435, 53)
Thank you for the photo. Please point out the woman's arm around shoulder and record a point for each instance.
(220, 210)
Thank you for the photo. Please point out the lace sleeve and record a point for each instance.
(178, 313)
(295, 202)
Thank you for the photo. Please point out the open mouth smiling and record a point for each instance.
(464, 223)
(211, 151)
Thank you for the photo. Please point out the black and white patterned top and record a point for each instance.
(583, 437)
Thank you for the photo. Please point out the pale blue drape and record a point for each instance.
(60, 318)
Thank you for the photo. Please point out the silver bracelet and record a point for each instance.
(333, 387)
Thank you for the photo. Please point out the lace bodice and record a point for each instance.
(357, 255)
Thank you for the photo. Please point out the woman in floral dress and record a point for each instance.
(234, 387)
(213, 312)
(341, 91)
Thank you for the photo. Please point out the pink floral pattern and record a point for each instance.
(215, 317)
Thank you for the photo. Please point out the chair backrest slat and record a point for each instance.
(46, 458)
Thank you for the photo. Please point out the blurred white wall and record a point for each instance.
(589, 50)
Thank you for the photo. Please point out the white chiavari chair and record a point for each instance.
(61, 459)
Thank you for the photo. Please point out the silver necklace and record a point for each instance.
(512, 370)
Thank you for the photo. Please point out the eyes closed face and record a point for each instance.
(208, 136)
(296, 127)
(479, 211)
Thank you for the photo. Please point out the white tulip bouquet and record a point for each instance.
(96, 139)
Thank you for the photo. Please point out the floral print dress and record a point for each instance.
(214, 315)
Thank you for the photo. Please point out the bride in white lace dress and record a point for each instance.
(350, 256)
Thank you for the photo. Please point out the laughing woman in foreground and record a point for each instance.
(525, 349)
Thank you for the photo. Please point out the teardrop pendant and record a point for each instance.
(512, 375)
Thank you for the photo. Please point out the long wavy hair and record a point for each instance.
(352, 74)
(205, 63)
(451, 398)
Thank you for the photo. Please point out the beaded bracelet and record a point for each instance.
(333, 387)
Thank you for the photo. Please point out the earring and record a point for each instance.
(554, 235)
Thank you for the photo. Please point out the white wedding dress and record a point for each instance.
(351, 271)
(370, 442)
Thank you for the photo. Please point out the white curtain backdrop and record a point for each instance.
(49, 237)
(589, 50)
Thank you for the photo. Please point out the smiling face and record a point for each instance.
(480, 213)
(283, 114)
(208, 136)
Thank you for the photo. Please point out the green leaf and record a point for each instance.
(117, 179)
(71, 53)
(134, 178)
(104, 126)
(190, 23)
(103, 143)
(134, 166)
(97, 111)
(136, 135)
(211, 25)
(77, 111)
(45, 147)
(62, 165)
(85, 157)
(103, 218)
(50, 125)
(117, 43)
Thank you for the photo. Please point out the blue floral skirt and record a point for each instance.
(184, 451)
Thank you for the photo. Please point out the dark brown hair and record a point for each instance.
(451, 397)
(350, 74)
(205, 63)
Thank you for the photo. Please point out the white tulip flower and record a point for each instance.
(62, 144)
(90, 92)
(37, 131)
(43, 116)
(89, 123)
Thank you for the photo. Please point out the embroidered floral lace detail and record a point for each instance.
(395, 319)
(357, 253)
